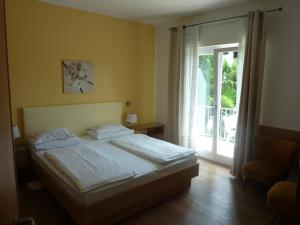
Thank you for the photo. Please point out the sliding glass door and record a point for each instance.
(217, 102)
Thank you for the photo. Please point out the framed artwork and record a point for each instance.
(77, 76)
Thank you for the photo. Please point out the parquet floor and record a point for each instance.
(213, 199)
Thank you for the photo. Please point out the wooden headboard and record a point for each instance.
(77, 118)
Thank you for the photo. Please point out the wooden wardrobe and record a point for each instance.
(8, 194)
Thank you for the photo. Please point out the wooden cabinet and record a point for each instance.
(155, 130)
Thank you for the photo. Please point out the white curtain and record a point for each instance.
(175, 72)
(188, 86)
(187, 69)
(249, 110)
(241, 58)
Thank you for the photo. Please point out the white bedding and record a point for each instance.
(54, 144)
(146, 170)
(153, 149)
(86, 167)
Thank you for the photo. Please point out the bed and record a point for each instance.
(111, 203)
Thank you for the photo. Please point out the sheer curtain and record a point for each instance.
(183, 83)
(188, 87)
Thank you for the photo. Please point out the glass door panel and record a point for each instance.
(217, 103)
(226, 103)
(205, 110)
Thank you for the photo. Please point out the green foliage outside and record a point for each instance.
(228, 95)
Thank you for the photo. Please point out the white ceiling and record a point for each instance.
(147, 11)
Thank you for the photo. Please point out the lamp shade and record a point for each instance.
(132, 118)
(16, 132)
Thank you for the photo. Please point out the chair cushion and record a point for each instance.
(264, 172)
(282, 197)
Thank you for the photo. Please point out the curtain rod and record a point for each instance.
(225, 19)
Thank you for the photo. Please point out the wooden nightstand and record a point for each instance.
(155, 130)
(22, 158)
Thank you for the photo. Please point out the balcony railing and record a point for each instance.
(227, 122)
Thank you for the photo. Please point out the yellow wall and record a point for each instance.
(41, 35)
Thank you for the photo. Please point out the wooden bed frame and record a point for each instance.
(118, 207)
(112, 209)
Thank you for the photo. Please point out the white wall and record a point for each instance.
(281, 89)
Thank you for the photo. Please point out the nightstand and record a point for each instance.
(155, 130)
(22, 158)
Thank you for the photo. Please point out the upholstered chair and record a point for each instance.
(297, 210)
(271, 160)
(283, 197)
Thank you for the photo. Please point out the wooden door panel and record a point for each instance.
(8, 195)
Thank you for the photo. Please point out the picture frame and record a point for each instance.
(77, 76)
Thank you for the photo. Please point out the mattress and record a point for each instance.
(147, 171)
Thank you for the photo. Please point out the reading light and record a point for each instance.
(16, 132)
(132, 118)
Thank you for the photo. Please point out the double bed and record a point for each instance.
(152, 182)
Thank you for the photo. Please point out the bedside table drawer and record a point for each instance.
(155, 130)
(140, 132)
(157, 136)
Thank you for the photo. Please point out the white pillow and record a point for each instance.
(54, 138)
(53, 134)
(109, 128)
(107, 135)
(56, 144)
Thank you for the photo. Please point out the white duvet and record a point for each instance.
(151, 148)
(86, 167)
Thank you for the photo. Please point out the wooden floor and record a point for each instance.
(214, 199)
